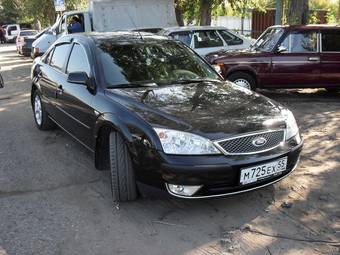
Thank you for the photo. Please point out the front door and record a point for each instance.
(75, 100)
(330, 58)
(299, 64)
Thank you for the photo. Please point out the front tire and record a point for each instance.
(41, 118)
(243, 79)
(123, 184)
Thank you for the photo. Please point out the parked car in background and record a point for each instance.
(24, 41)
(206, 39)
(105, 16)
(286, 57)
(155, 113)
(12, 31)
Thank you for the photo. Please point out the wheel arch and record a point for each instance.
(243, 69)
(105, 124)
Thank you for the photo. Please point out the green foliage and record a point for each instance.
(32, 11)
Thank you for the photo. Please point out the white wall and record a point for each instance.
(234, 23)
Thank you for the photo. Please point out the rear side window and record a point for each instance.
(60, 55)
(184, 37)
(229, 38)
(78, 61)
(207, 39)
(330, 40)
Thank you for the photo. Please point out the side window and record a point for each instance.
(59, 56)
(330, 40)
(301, 42)
(207, 39)
(62, 27)
(229, 38)
(184, 37)
(78, 61)
(48, 57)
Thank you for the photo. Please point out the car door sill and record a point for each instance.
(87, 147)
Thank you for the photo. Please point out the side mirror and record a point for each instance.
(82, 79)
(281, 49)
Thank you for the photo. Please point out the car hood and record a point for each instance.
(234, 54)
(212, 109)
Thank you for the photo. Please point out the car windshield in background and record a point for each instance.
(159, 62)
(268, 39)
(27, 33)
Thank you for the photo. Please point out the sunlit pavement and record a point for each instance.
(53, 201)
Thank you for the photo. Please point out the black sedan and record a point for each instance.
(154, 113)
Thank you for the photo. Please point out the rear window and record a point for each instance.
(229, 38)
(330, 40)
(27, 33)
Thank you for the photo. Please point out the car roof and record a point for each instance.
(307, 27)
(193, 28)
(118, 36)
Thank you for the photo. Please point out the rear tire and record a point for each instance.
(243, 80)
(41, 118)
(123, 184)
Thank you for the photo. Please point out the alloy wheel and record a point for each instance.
(37, 110)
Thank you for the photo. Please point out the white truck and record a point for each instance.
(112, 15)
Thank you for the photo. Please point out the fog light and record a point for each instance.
(183, 190)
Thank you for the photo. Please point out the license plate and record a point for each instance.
(259, 172)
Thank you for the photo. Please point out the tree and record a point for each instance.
(298, 12)
(179, 12)
(338, 16)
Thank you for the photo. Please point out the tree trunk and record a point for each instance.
(179, 13)
(205, 8)
(298, 12)
(338, 16)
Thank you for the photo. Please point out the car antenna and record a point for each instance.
(134, 24)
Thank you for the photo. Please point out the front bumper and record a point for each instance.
(219, 175)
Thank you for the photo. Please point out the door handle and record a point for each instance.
(313, 59)
(60, 90)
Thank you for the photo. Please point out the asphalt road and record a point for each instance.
(53, 201)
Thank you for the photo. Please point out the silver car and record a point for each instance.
(206, 39)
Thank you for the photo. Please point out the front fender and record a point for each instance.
(130, 129)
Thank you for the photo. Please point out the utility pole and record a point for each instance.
(278, 12)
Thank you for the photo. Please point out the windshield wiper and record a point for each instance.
(188, 81)
(132, 85)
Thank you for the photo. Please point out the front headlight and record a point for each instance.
(292, 128)
(183, 143)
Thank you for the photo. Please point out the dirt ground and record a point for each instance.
(53, 201)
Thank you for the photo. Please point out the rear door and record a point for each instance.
(206, 41)
(299, 65)
(51, 76)
(183, 36)
(75, 100)
(330, 57)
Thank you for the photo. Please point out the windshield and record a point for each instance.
(268, 40)
(150, 61)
